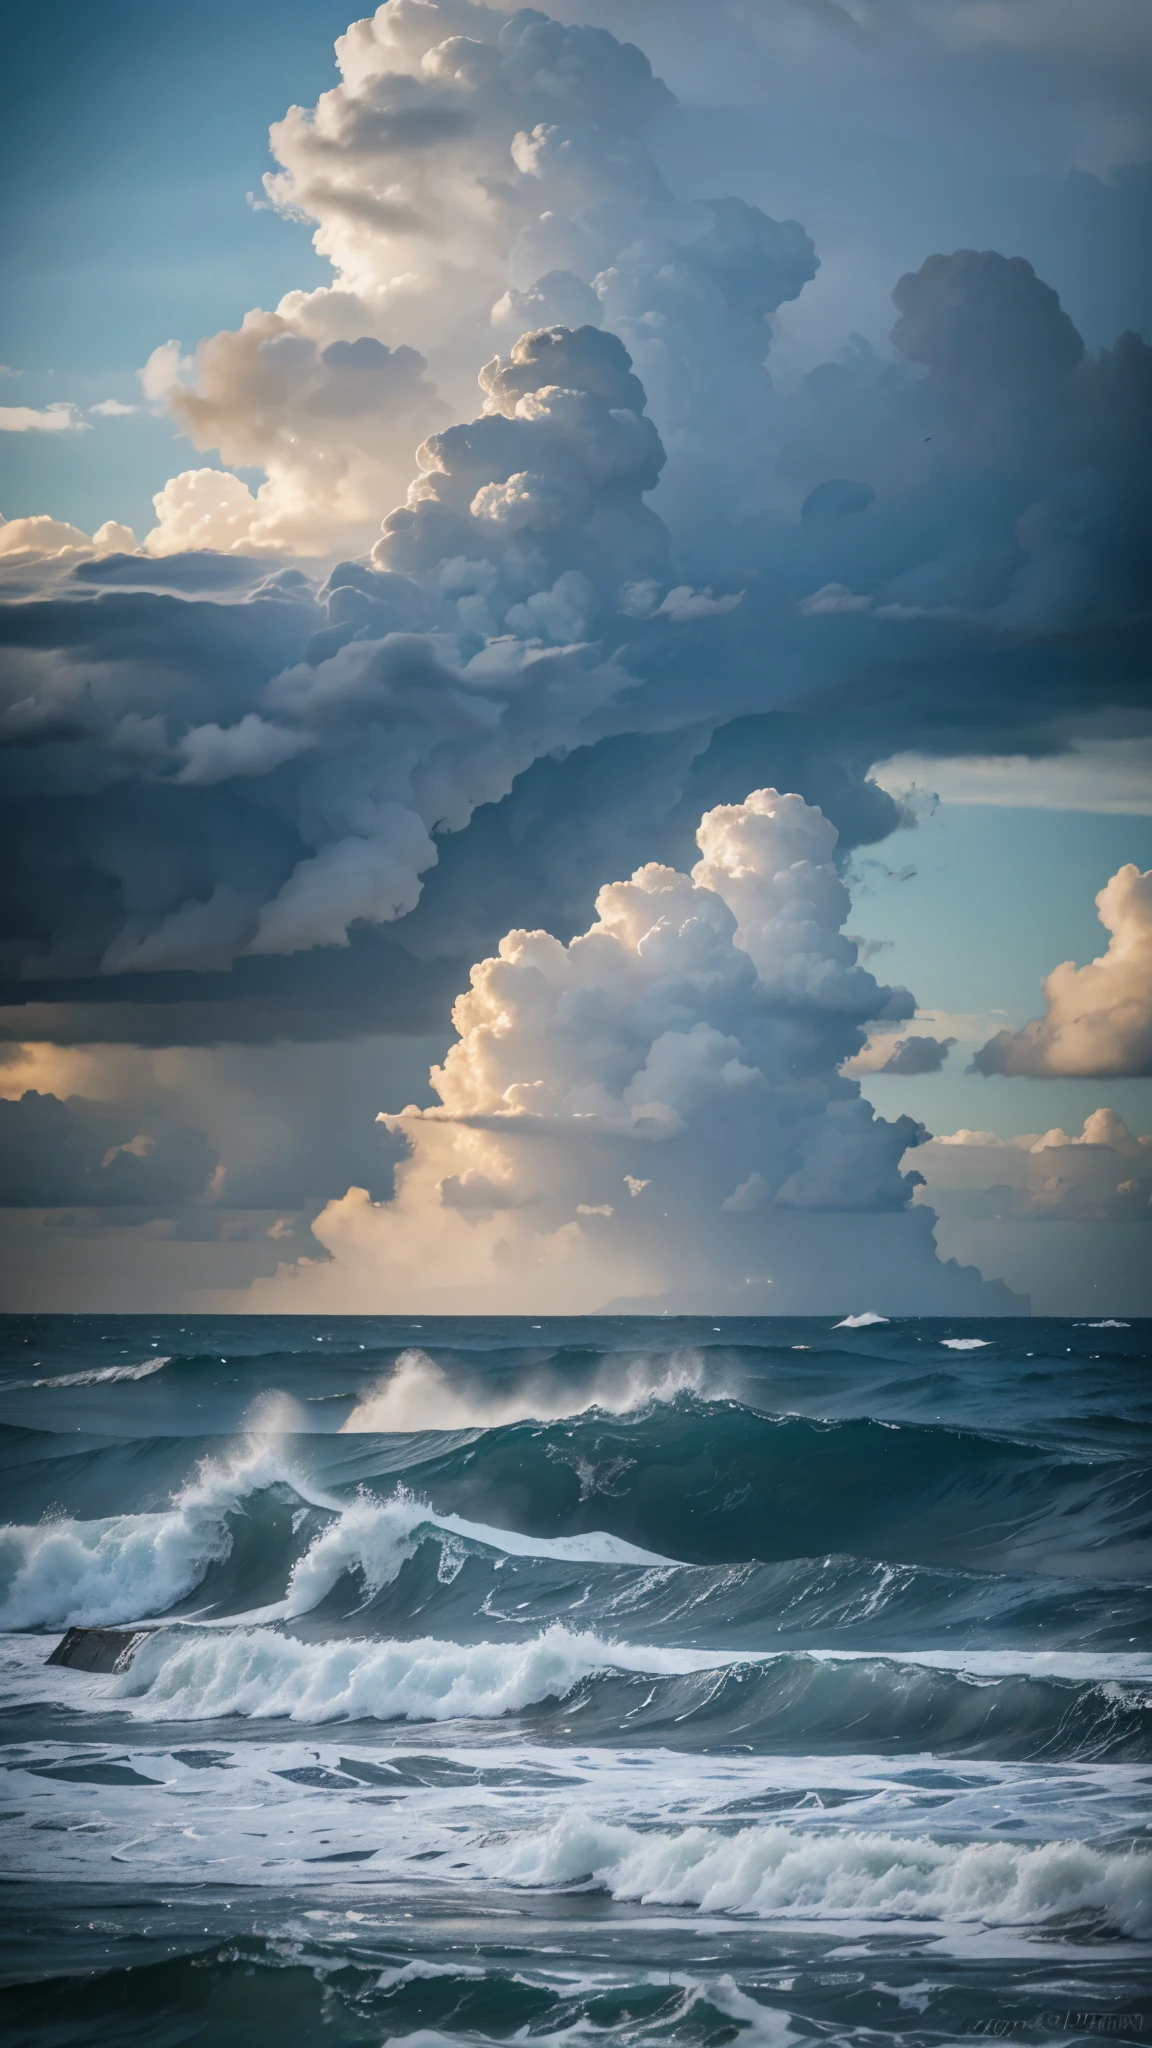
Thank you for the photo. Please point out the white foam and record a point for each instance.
(965, 1343)
(775, 1872)
(862, 1322)
(374, 1538)
(124, 1567)
(259, 1673)
(97, 1376)
(1109, 1323)
(200, 1671)
(417, 1395)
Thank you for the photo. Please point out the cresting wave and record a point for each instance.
(266, 1675)
(418, 1395)
(777, 1872)
(61, 1572)
(1006, 1709)
(598, 1490)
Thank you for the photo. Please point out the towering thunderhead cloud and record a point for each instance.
(654, 1113)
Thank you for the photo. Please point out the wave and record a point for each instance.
(418, 1394)
(62, 1572)
(266, 1675)
(710, 1487)
(95, 1376)
(777, 1872)
(313, 1989)
(712, 1482)
(249, 1538)
(254, 1514)
(563, 1681)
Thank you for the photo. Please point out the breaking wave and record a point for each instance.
(62, 1571)
(777, 1872)
(418, 1395)
(562, 1680)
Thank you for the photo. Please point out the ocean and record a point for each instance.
(618, 1680)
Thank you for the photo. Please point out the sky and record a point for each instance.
(669, 482)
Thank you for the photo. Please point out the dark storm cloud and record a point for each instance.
(916, 1055)
(96, 1155)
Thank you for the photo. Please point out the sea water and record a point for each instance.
(608, 1680)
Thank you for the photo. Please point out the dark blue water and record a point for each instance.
(646, 1681)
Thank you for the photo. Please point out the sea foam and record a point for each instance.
(774, 1871)
(260, 1673)
(62, 1571)
(418, 1395)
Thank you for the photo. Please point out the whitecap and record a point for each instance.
(775, 1872)
(262, 1674)
(417, 1395)
(97, 1376)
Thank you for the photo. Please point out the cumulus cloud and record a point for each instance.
(40, 538)
(430, 680)
(685, 1047)
(1103, 1173)
(471, 168)
(638, 582)
(330, 423)
(1097, 1019)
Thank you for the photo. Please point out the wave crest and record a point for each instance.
(418, 1395)
(774, 1871)
(64, 1572)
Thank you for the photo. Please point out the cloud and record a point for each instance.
(330, 423)
(40, 539)
(1100, 1174)
(1098, 1019)
(94, 1155)
(112, 409)
(438, 676)
(58, 418)
(639, 581)
(253, 746)
(474, 168)
(693, 1032)
(1094, 774)
(915, 1054)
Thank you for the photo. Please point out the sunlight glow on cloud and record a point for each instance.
(1098, 1018)
(693, 1031)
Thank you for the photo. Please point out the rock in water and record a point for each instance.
(98, 1649)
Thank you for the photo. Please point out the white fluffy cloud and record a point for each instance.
(1102, 1173)
(330, 422)
(1098, 1018)
(474, 169)
(653, 1111)
(41, 538)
